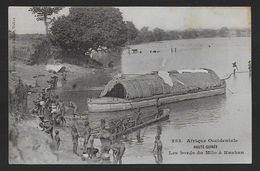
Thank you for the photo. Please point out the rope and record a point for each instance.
(230, 90)
(228, 76)
(233, 73)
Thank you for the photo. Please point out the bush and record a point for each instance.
(41, 53)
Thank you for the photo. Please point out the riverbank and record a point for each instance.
(36, 147)
(78, 78)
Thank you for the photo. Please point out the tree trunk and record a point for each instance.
(46, 25)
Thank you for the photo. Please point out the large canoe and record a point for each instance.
(157, 88)
(145, 119)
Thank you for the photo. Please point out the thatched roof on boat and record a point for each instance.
(155, 84)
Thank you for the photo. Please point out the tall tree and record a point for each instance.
(44, 14)
(88, 29)
(132, 31)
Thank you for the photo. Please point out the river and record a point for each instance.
(220, 117)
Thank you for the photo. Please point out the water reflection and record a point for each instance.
(193, 112)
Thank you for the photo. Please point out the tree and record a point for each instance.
(88, 29)
(158, 34)
(172, 35)
(223, 32)
(44, 14)
(146, 35)
(132, 31)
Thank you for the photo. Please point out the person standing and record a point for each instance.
(87, 134)
(249, 66)
(49, 128)
(62, 111)
(138, 117)
(105, 138)
(118, 151)
(57, 139)
(235, 68)
(74, 107)
(75, 136)
(90, 146)
(158, 147)
(62, 107)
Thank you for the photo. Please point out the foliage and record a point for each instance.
(42, 52)
(132, 31)
(223, 32)
(44, 14)
(157, 34)
(88, 29)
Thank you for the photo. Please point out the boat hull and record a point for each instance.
(117, 104)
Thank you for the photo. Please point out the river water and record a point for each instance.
(220, 117)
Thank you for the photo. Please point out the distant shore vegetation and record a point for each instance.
(99, 31)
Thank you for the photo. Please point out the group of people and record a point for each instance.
(111, 142)
(154, 51)
(50, 107)
(175, 50)
(235, 68)
(86, 138)
(122, 124)
(51, 111)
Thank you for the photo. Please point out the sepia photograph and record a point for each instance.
(129, 85)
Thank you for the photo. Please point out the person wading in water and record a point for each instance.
(118, 151)
(235, 68)
(158, 147)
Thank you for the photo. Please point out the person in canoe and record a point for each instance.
(138, 117)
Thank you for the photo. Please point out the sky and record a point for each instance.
(167, 18)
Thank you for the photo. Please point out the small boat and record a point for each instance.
(128, 92)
